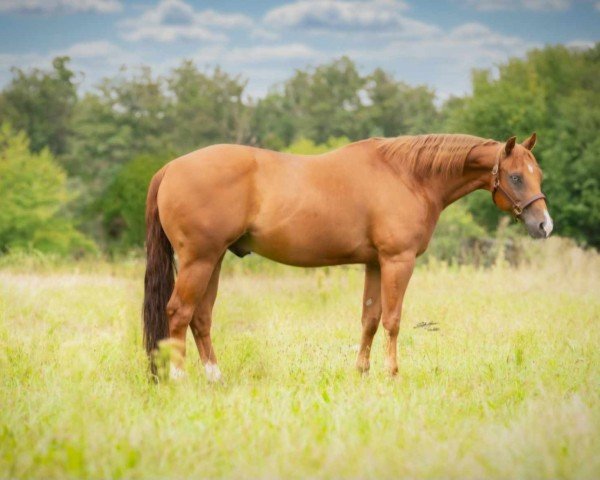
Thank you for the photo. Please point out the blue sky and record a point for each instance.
(436, 43)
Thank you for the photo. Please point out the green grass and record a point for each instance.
(507, 387)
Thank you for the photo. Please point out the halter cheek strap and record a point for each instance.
(517, 206)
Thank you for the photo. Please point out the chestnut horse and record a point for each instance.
(374, 202)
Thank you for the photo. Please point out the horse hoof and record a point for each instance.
(213, 373)
(392, 369)
(363, 368)
(176, 373)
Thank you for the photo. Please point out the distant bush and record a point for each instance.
(305, 146)
(34, 199)
(455, 235)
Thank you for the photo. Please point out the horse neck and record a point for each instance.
(476, 175)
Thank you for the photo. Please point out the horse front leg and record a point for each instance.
(396, 271)
(371, 314)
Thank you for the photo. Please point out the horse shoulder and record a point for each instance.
(404, 220)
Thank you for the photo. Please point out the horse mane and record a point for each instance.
(424, 155)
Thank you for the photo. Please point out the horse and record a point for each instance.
(373, 202)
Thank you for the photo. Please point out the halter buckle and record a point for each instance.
(517, 210)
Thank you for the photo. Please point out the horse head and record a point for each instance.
(517, 181)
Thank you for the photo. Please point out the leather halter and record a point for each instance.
(517, 206)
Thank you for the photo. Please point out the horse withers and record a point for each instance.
(374, 202)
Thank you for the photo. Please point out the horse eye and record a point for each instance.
(516, 179)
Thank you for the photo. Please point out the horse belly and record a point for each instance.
(312, 243)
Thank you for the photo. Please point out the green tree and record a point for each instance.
(273, 123)
(205, 108)
(571, 162)
(396, 108)
(329, 100)
(41, 103)
(124, 202)
(513, 104)
(34, 199)
(335, 100)
(316, 104)
(124, 117)
(138, 113)
(100, 143)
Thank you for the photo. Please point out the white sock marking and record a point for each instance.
(176, 373)
(213, 373)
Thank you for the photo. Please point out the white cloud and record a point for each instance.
(538, 5)
(259, 54)
(95, 49)
(60, 6)
(446, 58)
(466, 44)
(170, 20)
(91, 61)
(271, 53)
(375, 16)
(416, 52)
(478, 35)
(580, 44)
(99, 56)
(27, 60)
(96, 60)
(264, 34)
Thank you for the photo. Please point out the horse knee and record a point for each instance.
(370, 325)
(391, 325)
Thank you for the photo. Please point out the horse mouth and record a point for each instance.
(537, 234)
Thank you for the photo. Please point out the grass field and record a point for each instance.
(507, 386)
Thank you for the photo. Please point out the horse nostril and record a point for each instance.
(542, 225)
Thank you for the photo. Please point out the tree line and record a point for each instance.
(74, 166)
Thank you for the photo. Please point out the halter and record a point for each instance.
(517, 206)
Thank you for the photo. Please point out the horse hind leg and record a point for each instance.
(201, 324)
(190, 286)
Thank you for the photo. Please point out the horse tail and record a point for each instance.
(160, 273)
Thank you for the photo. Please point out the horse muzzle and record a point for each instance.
(538, 227)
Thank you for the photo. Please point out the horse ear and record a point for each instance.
(530, 142)
(510, 144)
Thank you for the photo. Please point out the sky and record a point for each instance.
(435, 43)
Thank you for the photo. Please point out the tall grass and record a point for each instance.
(505, 384)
